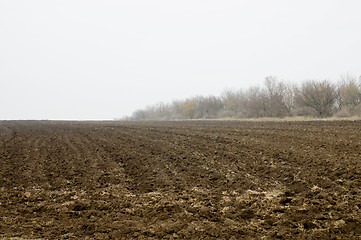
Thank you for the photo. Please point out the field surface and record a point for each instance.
(180, 180)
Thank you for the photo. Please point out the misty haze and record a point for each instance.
(105, 60)
(180, 119)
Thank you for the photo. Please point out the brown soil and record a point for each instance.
(194, 179)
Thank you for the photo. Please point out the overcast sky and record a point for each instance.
(83, 59)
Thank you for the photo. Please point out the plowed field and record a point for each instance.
(194, 179)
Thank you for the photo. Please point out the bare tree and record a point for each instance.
(289, 98)
(349, 92)
(319, 96)
(276, 106)
(138, 115)
(275, 99)
(177, 109)
(257, 102)
(208, 107)
(234, 103)
(189, 108)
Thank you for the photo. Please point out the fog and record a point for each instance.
(105, 59)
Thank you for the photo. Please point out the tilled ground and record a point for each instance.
(194, 179)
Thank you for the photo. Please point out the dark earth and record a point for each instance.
(180, 180)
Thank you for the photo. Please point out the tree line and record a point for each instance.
(274, 99)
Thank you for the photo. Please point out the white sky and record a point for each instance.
(83, 59)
